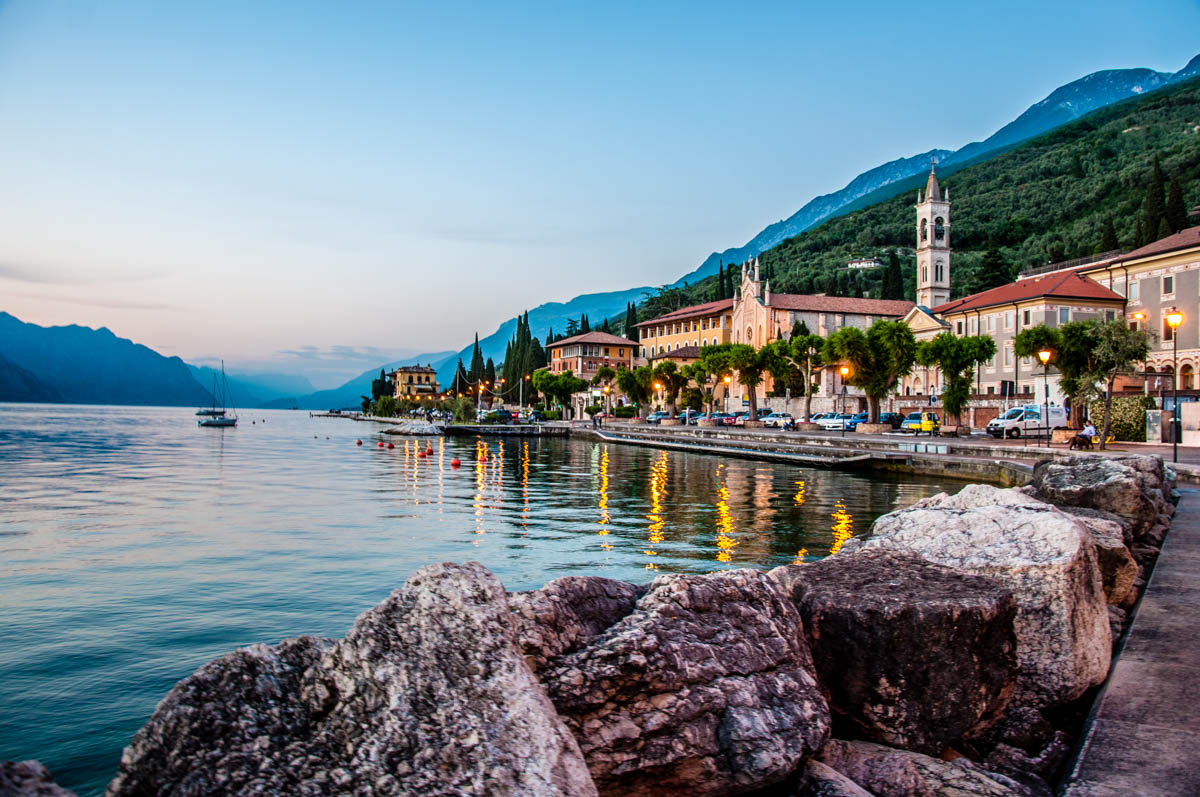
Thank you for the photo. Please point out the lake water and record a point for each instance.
(135, 546)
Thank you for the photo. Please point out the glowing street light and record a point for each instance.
(845, 372)
(1044, 356)
(1174, 321)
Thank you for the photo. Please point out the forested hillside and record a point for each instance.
(1050, 199)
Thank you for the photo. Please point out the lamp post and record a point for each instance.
(726, 399)
(607, 403)
(658, 393)
(1174, 320)
(845, 371)
(1044, 356)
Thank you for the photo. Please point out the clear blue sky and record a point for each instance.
(255, 179)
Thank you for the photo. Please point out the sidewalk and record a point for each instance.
(1142, 736)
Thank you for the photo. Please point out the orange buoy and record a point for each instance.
(358, 442)
(391, 445)
(455, 463)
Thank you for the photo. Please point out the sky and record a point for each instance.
(309, 187)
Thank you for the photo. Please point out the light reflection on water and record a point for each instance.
(136, 546)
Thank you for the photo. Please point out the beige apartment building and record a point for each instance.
(696, 326)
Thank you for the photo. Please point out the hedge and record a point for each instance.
(1128, 417)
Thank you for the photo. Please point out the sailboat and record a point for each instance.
(214, 416)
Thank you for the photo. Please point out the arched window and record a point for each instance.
(643, 351)
(705, 341)
(1185, 377)
(939, 229)
(924, 229)
(939, 271)
(924, 273)
(916, 386)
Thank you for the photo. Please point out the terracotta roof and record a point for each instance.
(683, 352)
(1184, 239)
(708, 308)
(603, 338)
(1060, 285)
(839, 304)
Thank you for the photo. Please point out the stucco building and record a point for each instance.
(696, 326)
(414, 382)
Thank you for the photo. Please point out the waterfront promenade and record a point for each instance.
(1142, 735)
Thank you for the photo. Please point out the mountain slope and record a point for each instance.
(1046, 200)
(348, 394)
(94, 366)
(254, 390)
(1064, 104)
(21, 384)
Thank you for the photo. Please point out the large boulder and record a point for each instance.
(887, 772)
(707, 687)
(821, 780)
(911, 653)
(1130, 486)
(427, 694)
(1048, 560)
(29, 779)
(567, 613)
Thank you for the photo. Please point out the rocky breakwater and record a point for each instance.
(951, 652)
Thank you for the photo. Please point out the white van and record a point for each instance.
(1027, 422)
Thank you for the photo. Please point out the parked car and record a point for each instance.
(740, 419)
(835, 422)
(914, 422)
(1027, 422)
(778, 419)
(720, 417)
(861, 417)
(690, 417)
(816, 418)
(499, 416)
(536, 416)
(893, 418)
(655, 417)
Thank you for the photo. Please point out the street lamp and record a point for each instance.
(1044, 356)
(845, 371)
(1174, 320)
(607, 403)
(727, 381)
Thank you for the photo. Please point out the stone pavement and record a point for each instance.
(1144, 733)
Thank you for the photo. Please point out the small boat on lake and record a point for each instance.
(218, 417)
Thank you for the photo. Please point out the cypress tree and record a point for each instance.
(893, 281)
(605, 327)
(1139, 233)
(477, 365)
(1164, 229)
(584, 325)
(631, 320)
(993, 271)
(461, 381)
(1153, 207)
(1175, 212)
(489, 372)
(1108, 237)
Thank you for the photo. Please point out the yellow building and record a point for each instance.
(414, 382)
(696, 326)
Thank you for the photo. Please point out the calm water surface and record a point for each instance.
(135, 546)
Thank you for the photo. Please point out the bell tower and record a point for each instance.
(933, 243)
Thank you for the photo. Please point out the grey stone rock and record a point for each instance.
(29, 779)
(705, 688)
(1130, 486)
(820, 780)
(567, 613)
(887, 772)
(427, 694)
(1047, 558)
(911, 653)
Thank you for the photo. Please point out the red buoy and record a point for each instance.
(358, 442)
(380, 444)
(390, 445)
(429, 450)
(455, 463)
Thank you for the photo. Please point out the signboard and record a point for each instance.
(745, 401)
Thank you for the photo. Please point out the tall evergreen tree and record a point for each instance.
(606, 328)
(477, 365)
(572, 327)
(1139, 232)
(631, 319)
(1175, 212)
(489, 373)
(1153, 206)
(1108, 237)
(992, 272)
(893, 280)
(584, 326)
(1164, 229)
(461, 382)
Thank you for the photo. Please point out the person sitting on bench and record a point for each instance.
(1084, 439)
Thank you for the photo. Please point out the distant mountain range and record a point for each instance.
(1064, 104)
(350, 393)
(80, 365)
(254, 390)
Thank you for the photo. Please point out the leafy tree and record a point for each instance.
(1175, 212)
(604, 375)
(878, 358)
(956, 358)
(1070, 346)
(637, 385)
(692, 398)
(385, 406)
(1116, 349)
(572, 327)
(668, 375)
(750, 365)
(559, 387)
(806, 351)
